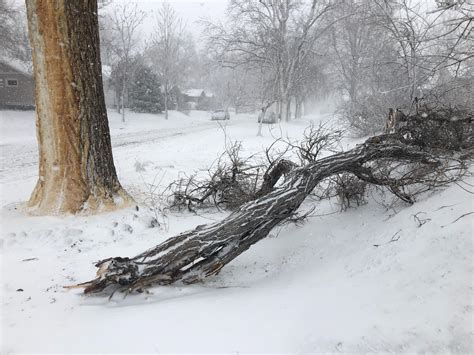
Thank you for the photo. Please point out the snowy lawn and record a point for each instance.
(366, 280)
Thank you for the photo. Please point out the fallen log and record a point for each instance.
(196, 254)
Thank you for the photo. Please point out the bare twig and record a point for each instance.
(457, 219)
(395, 237)
(421, 221)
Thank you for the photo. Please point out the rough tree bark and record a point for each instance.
(76, 168)
(191, 256)
(270, 178)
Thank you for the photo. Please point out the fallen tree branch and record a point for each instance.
(270, 178)
(196, 254)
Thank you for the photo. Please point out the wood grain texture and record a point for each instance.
(76, 169)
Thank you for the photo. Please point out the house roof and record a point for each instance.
(27, 68)
(193, 92)
(197, 93)
(17, 65)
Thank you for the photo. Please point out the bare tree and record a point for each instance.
(419, 32)
(76, 168)
(311, 81)
(167, 49)
(125, 23)
(456, 31)
(353, 45)
(409, 29)
(277, 35)
(233, 87)
(7, 18)
(384, 49)
(13, 32)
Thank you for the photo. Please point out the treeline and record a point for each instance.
(287, 55)
(372, 55)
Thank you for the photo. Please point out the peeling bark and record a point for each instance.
(76, 169)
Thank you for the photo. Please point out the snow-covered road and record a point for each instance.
(19, 156)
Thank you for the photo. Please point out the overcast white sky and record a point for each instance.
(191, 11)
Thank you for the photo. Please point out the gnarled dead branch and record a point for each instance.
(196, 254)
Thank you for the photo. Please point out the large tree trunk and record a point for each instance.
(76, 168)
(199, 253)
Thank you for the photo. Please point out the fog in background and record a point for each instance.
(287, 59)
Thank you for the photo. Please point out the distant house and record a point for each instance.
(17, 87)
(198, 99)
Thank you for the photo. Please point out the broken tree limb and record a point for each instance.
(270, 178)
(196, 254)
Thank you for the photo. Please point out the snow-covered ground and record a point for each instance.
(366, 280)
